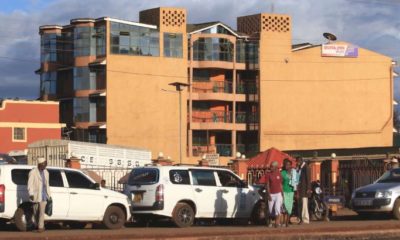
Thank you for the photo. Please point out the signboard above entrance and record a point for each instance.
(339, 50)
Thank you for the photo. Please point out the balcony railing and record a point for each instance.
(224, 150)
(246, 88)
(212, 116)
(213, 87)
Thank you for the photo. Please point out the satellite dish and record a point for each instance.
(330, 36)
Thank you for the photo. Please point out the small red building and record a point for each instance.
(23, 122)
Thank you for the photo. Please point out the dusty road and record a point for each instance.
(342, 227)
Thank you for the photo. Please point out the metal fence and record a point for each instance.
(111, 175)
(351, 175)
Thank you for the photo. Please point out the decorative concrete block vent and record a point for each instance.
(249, 24)
(275, 23)
(173, 18)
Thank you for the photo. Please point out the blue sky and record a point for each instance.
(372, 24)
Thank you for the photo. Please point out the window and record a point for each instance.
(78, 180)
(20, 176)
(48, 47)
(201, 75)
(84, 79)
(203, 177)
(228, 179)
(55, 178)
(100, 40)
(48, 82)
(143, 176)
(19, 134)
(134, 40)
(179, 177)
(213, 49)
(173, 45)
(84, 42)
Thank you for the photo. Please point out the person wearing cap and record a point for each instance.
(273, 187)
(39, 192)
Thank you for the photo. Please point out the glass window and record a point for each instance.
(228, 179)
(201, 75)
(48, 83)
(48, 45)
(179, 177)
(143, 176)
(84, 79)
(78, 180)
(134, 40)
(20, 176)
(173, 45)
(55, 178)
(213, 49)
(81, 109)
(19, 134)
(100, 40)
(203, 177)
(84, 42)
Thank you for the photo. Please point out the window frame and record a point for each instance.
(83, 175)
(201, 170)
(25, 133)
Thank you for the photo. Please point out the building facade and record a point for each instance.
(24, 122)
(248, 89)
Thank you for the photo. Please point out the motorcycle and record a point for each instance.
(317, 206)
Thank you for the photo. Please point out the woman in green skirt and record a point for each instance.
(288, 189)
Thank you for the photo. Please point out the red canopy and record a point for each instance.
(264, 159)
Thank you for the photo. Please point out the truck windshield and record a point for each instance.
(143, 176)
(392, 176)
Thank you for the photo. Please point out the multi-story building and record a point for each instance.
(248, 90)
(23, 122)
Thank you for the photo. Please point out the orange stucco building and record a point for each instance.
(249, 89)
(24, 122)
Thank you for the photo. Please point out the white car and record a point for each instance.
(77, 199)
(185, 193)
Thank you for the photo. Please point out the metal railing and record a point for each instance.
(246, 87)
(212, 116)
(111, 175)
(212, 87)
(224, 150)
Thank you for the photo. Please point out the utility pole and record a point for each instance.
(179, 88)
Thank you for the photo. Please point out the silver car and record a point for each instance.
(381, 196)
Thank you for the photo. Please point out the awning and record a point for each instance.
(98, 94)
(264, 159)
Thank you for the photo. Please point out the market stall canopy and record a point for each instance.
(264, 159)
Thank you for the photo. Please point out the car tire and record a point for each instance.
(20, 220)
(258, 214)
(114, 218)
(396, 209)
(183, 215)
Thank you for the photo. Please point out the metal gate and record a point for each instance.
(351, 175)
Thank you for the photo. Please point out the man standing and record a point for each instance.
(39, 191)
(273, 186)
(304, 189)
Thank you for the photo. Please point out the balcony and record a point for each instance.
(248, 149)
(215, 90)
(222, 120)
(224, 150)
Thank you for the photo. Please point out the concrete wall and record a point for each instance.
(139, 112)
(313, 102)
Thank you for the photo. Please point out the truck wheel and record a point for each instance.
(114, 218)
(396, 209)
(21, 220)
(183, 215)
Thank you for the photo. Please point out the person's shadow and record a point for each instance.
(220, 205)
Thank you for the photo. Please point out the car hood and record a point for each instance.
(378, 186)
(112, 193)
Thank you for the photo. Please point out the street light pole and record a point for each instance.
(179, 87)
